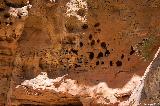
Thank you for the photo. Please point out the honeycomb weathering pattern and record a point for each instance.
(97, 49)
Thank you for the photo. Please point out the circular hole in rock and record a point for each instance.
(92, 42)
(111, 63)
(97, 24)
(122, 56)
(84, 26)
(97, 63)
(118, 63)
(107, 53)
(91, 55)
(100, 54)
(132, 51)
(81, 44)
(102, 62)
(90, 37)
(98, 41)
(103, 45)
(99, 30)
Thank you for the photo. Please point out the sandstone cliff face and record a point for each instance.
(78, 52)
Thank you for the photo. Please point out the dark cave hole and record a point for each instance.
(97, 24)
(103, 45)
(86, 62)
(19, 16)
(97, 63)
(98, 41)
(2, 9)
(6, 23)
(122, 56)
(91, 55)
(79, 60)
(132, 51)
(118, 63)
(11, 23)
(102, 62)
(99, 30)
(76, 65)
(84, 26)
(107, 53)
(100, 54)
(111, 63)
(92, 42)
(74, 51)
(90, 37)
(81, 44)
(65, 51)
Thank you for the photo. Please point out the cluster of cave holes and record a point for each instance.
(100, 54)
(92, 42)
(72, 27)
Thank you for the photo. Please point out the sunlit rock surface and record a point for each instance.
(79, 52)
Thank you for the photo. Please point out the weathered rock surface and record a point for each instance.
(78, 52)
(150, 94)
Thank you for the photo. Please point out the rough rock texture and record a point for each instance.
(77, 52)
(150, 94)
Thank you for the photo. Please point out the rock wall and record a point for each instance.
(77, 52)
